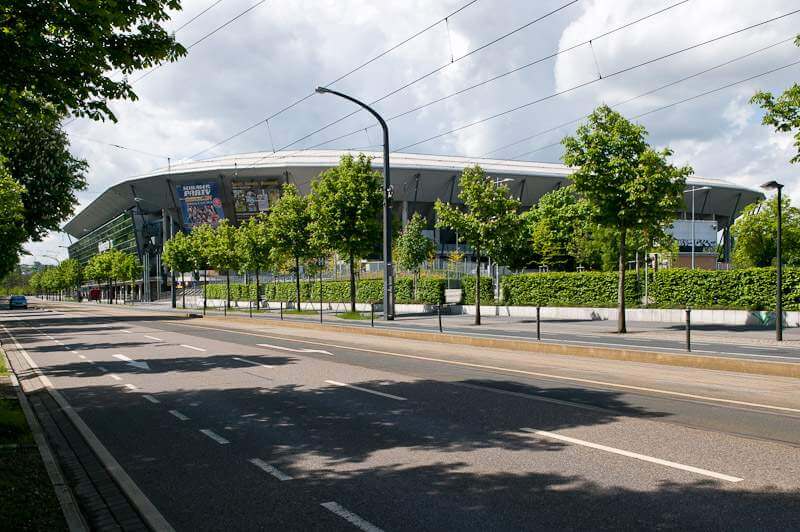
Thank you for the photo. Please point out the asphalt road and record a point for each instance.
(242, 429)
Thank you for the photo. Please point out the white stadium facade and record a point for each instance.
(138, 214)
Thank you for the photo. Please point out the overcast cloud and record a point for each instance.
(281, 50)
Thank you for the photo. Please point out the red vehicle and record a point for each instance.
(95, 294)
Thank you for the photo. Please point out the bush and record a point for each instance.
(566, 289)
(468, 290)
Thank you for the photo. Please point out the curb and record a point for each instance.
(757, 367)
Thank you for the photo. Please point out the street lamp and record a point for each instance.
(388, 273)
(774, 185)
(693, 190)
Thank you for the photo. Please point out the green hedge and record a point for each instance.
(468, 290)
(749, 289)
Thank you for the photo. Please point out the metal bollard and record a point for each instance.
(688, 328)
(538, 324)
(439, 311)
(372, 314)
(281, 310)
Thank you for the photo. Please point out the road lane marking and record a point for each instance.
(151, 399)
(115, 377)
(251, 362)
(295, 350)
(193, 347)
(514, 371)
(280, 475)
(128, 332)
(359, 388)
(347, 515)
(101, 368)
(74, 352)
(131, 387)
(179, 415)
(214, 436)
(637, 456)
(153, 338)
(134, 363)
(81, 356)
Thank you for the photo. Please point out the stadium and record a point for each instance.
(138, 214)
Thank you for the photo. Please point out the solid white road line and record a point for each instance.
(214, 436)
(179, 415)
(359, 388)
(251, 362)
(115, 377)
(151, 399)
(153, 338)
(349, 516)
(637, 456)
(280, 475)
(516, 371)
(193, 347)
(295, 350)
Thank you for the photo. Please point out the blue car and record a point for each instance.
(18, 302)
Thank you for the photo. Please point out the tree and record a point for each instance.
(412, 247)
(222, 255)
(345, 205)
(755, 231)
(12, 218)
(783, 112)
(178, 255)
(101, 268)
(71, 273)
(254, 246)
(290, 229)
(628, 184)
(126, 267)
(489, 217)
(559, 219)
(199, 245)
(63, 52)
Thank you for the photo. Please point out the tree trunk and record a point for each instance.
(353, 286)
(621, 328)
(110, 293)
(258, 291)
(297, 280)
(227, 290)
(205, 299)
(478, 289)
(183, 284)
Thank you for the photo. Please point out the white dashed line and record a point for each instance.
(251, 362)
(131, 387)
(349, 516)
(125, 331)
(151, 399)
(74, 352)
(214, 436)
(193, 347)
(359, 388)
(637, 456)
(115, 377)
(280, 475)
(179, 415)
(101, 368)
(153, 338)
(81, 356)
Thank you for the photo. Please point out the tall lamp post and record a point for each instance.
(388, 273)
(693, 190)
(774, 185)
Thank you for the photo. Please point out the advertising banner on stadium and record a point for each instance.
(254, 196)
(200, 204)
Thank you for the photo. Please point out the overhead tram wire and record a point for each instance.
(628, 100)
(690, 98)
(595, 80)
(432, 72)
(340, 78)
(509, 72)
(156, 155)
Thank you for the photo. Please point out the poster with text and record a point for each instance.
(200, 204)
(253, 196)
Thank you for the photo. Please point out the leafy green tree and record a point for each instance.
(222, 254)
(199, 245)
(345, 205)
(178, 255)
(489, 218)
(290, 230)
(126, 267)
(412, 247)
(71, 274)
(12, 218)
(755, 232)
(556, 222)
(65, 52)
(254, 244)
(629, 186)
(35, 283)
(101, 268)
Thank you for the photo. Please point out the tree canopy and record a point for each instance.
(290, 230)
(628, 185)
(755, 232)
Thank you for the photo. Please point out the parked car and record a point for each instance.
(18, 302)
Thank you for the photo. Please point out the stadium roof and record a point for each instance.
(424, 177)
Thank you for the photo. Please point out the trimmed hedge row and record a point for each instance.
(750, 289)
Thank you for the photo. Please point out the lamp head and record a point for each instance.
(772, 185)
